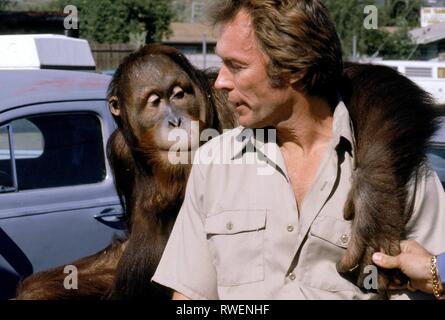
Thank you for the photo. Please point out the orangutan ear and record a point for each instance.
(113, 105)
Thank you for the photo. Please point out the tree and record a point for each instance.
(108, 21)
(4, 4)
(349, 17)
(402, 11)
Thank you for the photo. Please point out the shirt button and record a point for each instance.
(290, 228)
(292, 276)
(344, 239)
(229, 226)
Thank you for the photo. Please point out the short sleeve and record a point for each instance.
(186, 265)
(441, 266)
(427, 223)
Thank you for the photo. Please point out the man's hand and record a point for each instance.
(414, 261)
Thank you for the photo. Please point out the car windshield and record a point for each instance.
(436, 157)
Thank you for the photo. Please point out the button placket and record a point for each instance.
(344, 239)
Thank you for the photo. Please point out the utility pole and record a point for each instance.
(204, 51)
(354, 48)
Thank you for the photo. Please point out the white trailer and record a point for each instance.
(45, 51)
(428, 75)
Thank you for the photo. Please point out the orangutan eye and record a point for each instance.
(154, 99)
(178, 93)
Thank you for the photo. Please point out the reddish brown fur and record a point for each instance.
(393, 120)
(95, 275)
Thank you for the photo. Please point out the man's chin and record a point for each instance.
(247, 122)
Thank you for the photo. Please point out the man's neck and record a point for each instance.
(308, 127)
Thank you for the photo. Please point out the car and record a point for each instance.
(57, 196)
(436, 153)
(109, 72)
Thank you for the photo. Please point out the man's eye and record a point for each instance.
(235, 67)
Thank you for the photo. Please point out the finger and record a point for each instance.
(385, 261)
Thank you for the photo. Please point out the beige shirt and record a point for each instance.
(238, 230)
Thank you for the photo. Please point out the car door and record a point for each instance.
(57, 198)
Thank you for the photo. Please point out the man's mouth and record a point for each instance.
(239, 105)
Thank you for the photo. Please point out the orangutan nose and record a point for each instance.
(175, 122)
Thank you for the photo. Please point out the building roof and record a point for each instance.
(187, 33)
(429, 34)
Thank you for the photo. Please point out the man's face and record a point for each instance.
(244, 76)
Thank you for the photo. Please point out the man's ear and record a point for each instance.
(114, 106)
(295, 77)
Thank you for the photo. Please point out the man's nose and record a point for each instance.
(224, 80)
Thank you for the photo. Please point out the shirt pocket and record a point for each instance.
(332, 230)
(327, 241)
(236, 241)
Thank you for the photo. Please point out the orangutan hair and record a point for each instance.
(298, 36)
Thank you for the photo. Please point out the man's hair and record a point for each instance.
(298, 36)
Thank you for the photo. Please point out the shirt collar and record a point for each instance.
(342, 127)
(263, 141)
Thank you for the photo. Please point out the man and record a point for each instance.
(247, 234)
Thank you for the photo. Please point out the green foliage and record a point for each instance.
(110, 21)
(349, 17)
(4, 4)
(402, 12)
(395, 45)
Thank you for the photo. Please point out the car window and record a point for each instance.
(6, 179)
(57, 150)
(28, 140)
(436, 157)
